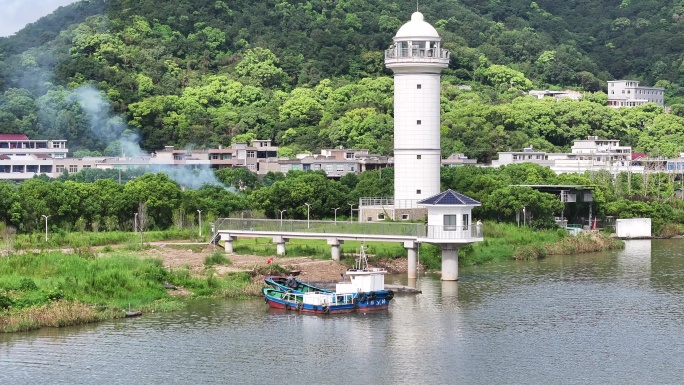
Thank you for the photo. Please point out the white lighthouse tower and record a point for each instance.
(416, 58)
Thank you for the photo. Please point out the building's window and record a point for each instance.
(17, 168)
(251, 154)
(466, 221)
(178, 157)
(381, 217)
(227, 157)
(418, 122)
(449, 222)
(283, 168)
(349, 155)
(317, 167)
(404, 217)
(87, 166)
(306, 167)
(417, 191)
(59, 168)
(418, 156)
(73, 168)
(352, 168)
(295, 167)
(328, 168)
(214, 157)
(419, 86)
(340, 167)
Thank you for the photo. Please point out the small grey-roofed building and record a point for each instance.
(450, 217)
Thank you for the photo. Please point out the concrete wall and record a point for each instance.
(633, 228)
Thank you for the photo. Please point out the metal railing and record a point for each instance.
(321, 227)
(387, 202)
(454, 232)
(418, 230)
(417, 53)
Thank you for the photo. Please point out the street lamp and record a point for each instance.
(281, 217)
(336, 208)
(46, 217)
(308, 209)
(351, 212)
(200, 222)
(524, 219)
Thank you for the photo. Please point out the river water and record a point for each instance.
(604, 318)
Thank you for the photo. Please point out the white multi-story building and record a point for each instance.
(628, 93)
(558, 95)
(20, 156)
(592, 154)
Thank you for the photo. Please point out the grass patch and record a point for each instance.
(317, 248)
(37, 289)
(84, 239)
(217, 258)
(506, 241)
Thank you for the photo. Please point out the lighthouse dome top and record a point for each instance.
(417, 27)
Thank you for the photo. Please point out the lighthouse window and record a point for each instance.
(419, 86)
(417, 191)
(418, 122)
(418, 156)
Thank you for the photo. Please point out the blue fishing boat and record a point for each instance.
(322, 303)
(365, 291)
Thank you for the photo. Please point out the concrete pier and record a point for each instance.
(449, 262)
(335, 251)
(280, 244)
(228, 243)
(412, 248)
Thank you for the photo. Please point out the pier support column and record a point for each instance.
(228, 243)
(280, 245)
(335, 249)
(449, 262)
(411, 248)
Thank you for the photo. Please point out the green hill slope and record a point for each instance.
(310, 74)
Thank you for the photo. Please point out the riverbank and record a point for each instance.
(81, 285)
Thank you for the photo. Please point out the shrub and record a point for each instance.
(670, 230)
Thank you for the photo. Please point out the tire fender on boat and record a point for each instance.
(362, 297)
(371, 295)
(355, 301)
(390, 295)
(287, 306)
(299, 306)
(326, 310)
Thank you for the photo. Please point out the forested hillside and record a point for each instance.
(310, 74)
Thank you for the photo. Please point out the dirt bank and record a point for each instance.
(313, 270)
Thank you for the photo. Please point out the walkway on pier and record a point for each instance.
(411, 235)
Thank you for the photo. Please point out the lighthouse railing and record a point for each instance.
(414, 53)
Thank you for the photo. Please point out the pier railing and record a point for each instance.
(332, 227)
(418, 230)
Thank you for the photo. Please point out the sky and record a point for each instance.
(15, 14)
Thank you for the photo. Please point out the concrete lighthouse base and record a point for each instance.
(449, 262)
